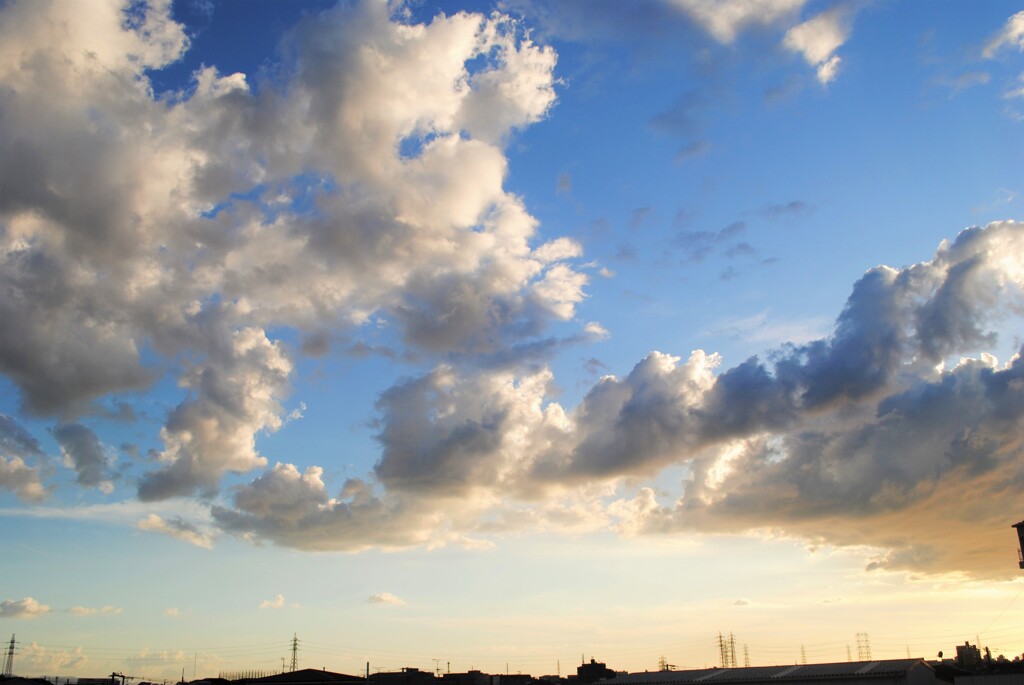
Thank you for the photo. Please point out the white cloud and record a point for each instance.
(724, 19)
(126, 229)
(178, 529)
(92, 611)
(818, 38)
(172, 612)
(276, 603)
(26, 607)
(1011, 35)
(385, 598)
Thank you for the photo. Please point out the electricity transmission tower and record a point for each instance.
(863, 647)
(9, 661)
(727, 650)
(295, 651)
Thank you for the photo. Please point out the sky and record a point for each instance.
(501, 335)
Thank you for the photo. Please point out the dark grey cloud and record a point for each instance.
(424, 454)
(16, 440)
(292, 509)
(83, 452)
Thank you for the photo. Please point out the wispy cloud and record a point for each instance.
(92, 611)
(178, 529)
(1010, 36)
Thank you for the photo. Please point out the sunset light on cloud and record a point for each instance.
(580, 326)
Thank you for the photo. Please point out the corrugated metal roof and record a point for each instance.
(849, 669)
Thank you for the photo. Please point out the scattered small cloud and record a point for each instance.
(793, 208)
(638, 217)
(173, 612)
(27, 607)
(563, 184)
(596, 330)
(92, 611)
(691, 150)
(741, 249)
(276, 603)
(698, 245)
(23, 480)
(817, 40)
(683, 217)
(385, 598)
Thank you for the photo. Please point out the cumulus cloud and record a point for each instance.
(385, 598)
(177, 528)
(181, 225)
(142, 236)
(818, 38)
(862, 437)
(295, 509)
(26, 607)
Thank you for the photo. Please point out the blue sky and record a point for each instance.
(498, 334)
